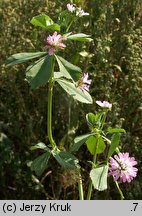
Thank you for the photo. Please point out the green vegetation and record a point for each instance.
(114, 62)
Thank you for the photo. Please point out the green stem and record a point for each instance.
(49, 111)
(90, 182)
(69, 25)
(80, 188)
(73, 20)
(89, 190)
(119, 190)
(104, 119)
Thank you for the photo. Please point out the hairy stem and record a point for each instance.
(72, 21)
(103, 120)
(49, 108)
(119, 190)
(69, 25)
(80, 187)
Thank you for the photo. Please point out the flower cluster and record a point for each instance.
(104, 104)
(78, 10)
(122, 167)
(54, 42)
(83, 83)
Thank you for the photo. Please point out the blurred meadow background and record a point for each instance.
(114, 63)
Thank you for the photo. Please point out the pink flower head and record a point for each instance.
(54, 42)
(122, 167)
(71, 8)
(104, 104)
(84, 83)
(80, 12)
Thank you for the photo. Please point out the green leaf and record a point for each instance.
(54, 27)
(99, 117)
(90, 117)
(80, 37)
(79, 141)
(45, 22)
(92, 142)
(23, 57)
(65, 159)
(115, 130)
(99, 177)
(114, 144)
(95, 120)
(101, 145)
(42, 21)
(39, 145)
(40, 163)
(68, 70)
(39, 72)
(57, 75)
(76, 93)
